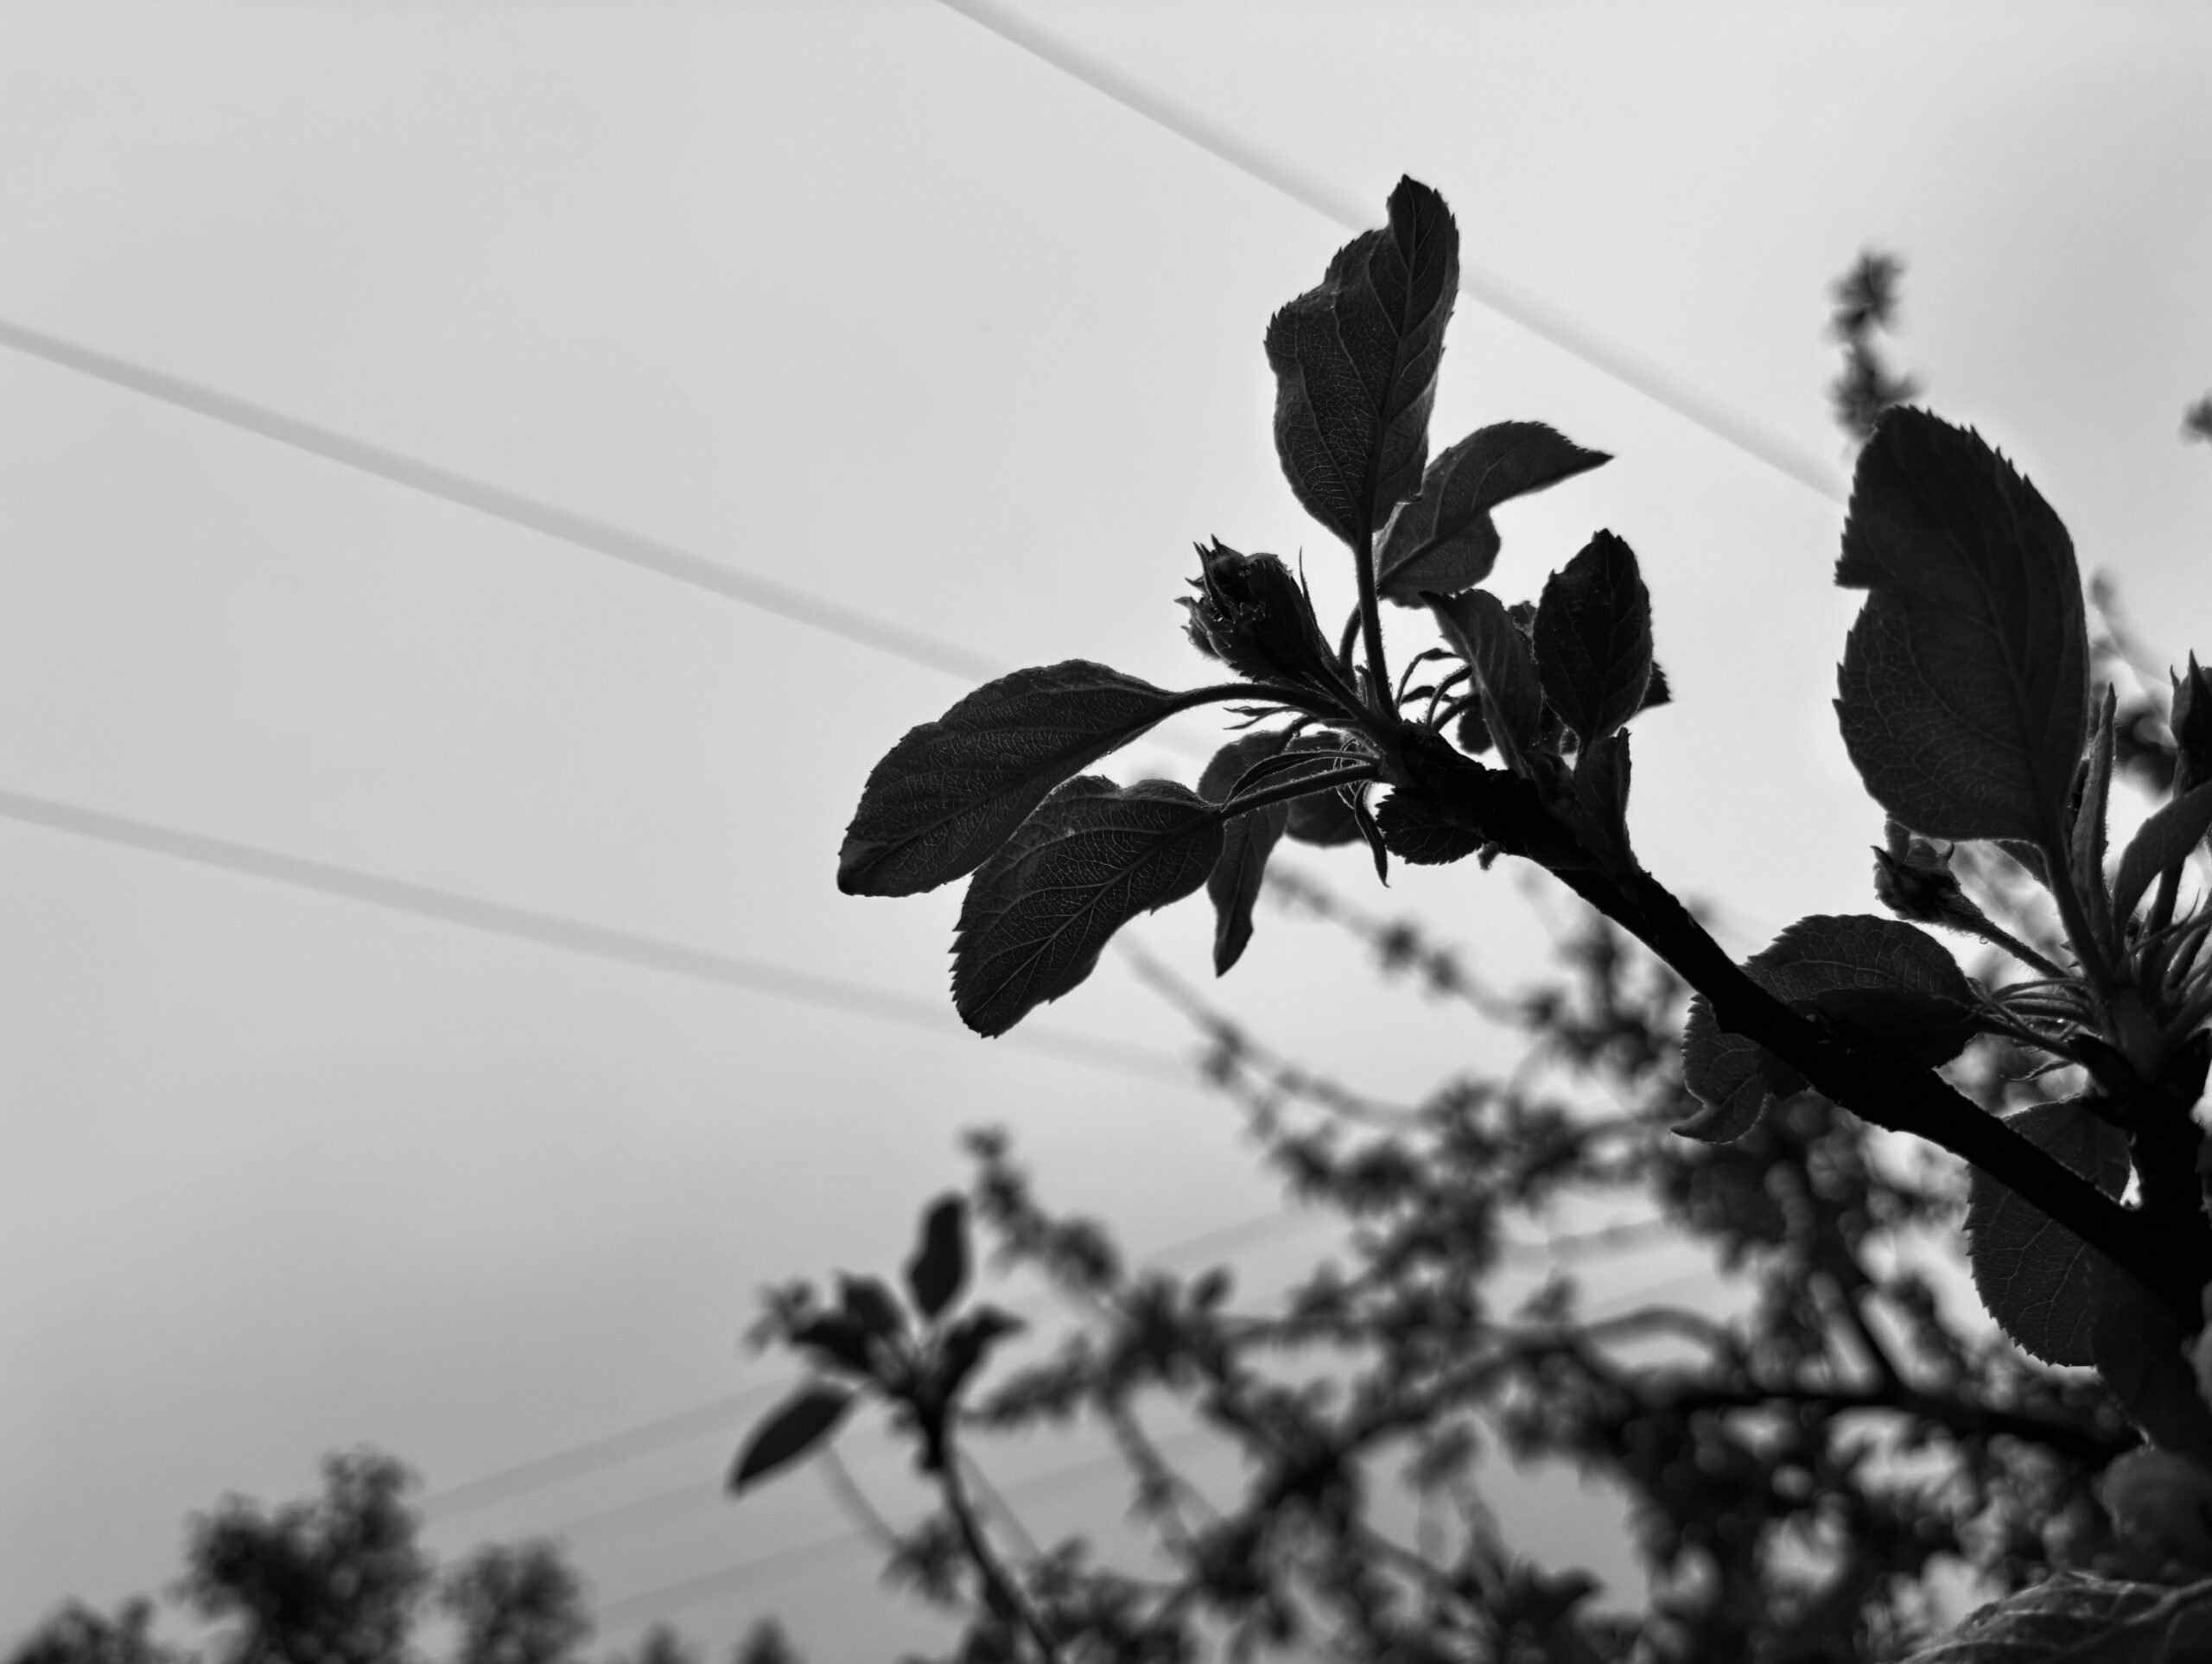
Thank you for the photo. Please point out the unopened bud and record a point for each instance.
(1914, 880)
(2192, 727)
(1254, 616)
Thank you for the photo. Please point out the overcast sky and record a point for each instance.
(866, 299)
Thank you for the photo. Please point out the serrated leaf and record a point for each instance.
(1479, 629)
(1964, 695)
(1593, 639)
(1414, 829)
(2165, 840)
(1443, 540)
(1355, 362)
(1039, 913)
(2033, 1275)
(2076, 1619)
(1897, 982)
(1247, 841)
(938, 1270)
(801, 1423)
(954, 789)
(1732, 1077)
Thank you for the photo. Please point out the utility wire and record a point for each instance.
(1499, 294)
(571, 1460)
(576, 936)
(531, 513)
(729, 1579)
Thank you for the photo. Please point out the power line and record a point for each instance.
(1499, 294)
(574, 936)
(570, 1461)
(691, 1591)
(674, 1428)
(531, 513)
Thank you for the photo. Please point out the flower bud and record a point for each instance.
(1914, 880)
(1254, 617)
(2192, 727)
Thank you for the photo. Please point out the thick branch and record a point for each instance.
(1876, 1084)
(2173, 1258)
(1001, 1593)
(1957, 1416)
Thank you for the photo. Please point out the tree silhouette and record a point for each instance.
(342, 1578)
(1804, 1472)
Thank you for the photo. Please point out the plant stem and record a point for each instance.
(1003, 1594)
(1879, 1086)
(2171, 1256)
(1299, 785)
(2088, 949)
(1258, 693)
(1370, 617)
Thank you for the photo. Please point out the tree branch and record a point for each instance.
(2172, 1257)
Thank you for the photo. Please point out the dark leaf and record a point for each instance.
(1364, 819)
(1593, 639)
(1247, 841)
(1038, 914)
(1964, 693)
(1443, 541)
(803, 1422)
(2165, 841)
(2075, 1618)
(1234, 884)
(1897, 983)
(1479, 630)
(1656, 691)
(870, 1305)
(837, 1340)
(1355, 363)
(1327, 818)
(938, 1270)
(969, 1342)
(2138, 1341)
(1414, 829)
(953, 791)
(1732, 1076)
(1241, 761)
(1601, 813)
(2032, 1273)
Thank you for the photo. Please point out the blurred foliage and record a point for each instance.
(342, 1578)
(1818, 1475)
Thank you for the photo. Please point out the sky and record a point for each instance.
(869, 301)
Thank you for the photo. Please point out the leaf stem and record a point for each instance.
(2088, 949)
(1299, 785)
(1370, 616)
(1001, 1594)
(1261, 693)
